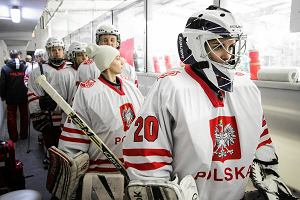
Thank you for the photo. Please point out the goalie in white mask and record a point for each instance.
(205, 120)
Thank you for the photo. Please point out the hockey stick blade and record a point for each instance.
(42, 81)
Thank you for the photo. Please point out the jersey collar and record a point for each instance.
(106, 82)
(216, 102)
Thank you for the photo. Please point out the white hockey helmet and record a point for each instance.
(107, 29)
(54, 42)
(40, 54)
(214, 23)
(76, 47)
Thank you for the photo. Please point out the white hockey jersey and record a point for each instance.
(62, 80)
(183, 128)
(30, 67)
(88, 70)
(108, 112)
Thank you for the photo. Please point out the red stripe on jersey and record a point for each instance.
(77, 140)
(265, 132)
(102, 161)
(34, 98)
(102, 169)
(72, 130)
(264, 122)
(146, 166)
(268, 141)
(56, 119)
(146, 152)
(30, 94)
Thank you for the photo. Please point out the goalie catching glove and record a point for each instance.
(267, 181)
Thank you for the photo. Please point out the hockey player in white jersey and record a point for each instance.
(40, 56)
(42, 104)
(205, 120)
(106, 35)
(108, 105)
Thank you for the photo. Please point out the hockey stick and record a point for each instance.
(41, 80)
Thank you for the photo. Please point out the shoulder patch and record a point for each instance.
(87, 62)
(87, 84)
(169, 73)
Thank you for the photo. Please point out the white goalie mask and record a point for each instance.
(54, 42)
(214, 25)
(74, 48)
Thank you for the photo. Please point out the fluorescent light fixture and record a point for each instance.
(15, 14)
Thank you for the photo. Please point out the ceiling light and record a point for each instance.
(15, 14)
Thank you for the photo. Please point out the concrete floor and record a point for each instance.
(34, 172)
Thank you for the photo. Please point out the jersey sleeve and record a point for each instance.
(265, 150)
(147, 148)
(34, 92)
(129, 73)
(73, 139)
(87, 71)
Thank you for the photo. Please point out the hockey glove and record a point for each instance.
(47, 103)
(163, 190)
(269, 183)
(40, 121)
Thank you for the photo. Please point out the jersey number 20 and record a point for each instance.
(150, 125)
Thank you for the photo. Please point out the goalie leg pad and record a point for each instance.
(104, 186)
(64, 172)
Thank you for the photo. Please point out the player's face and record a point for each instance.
(80, 57)
(116, 66)
(220, 50)
(56, 52)
(110, 40)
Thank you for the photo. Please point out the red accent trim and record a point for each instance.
(56, 119)
(102, 161)
(119, 91)
(146, 166)
(264, 122)
(30, 94)
(210, 94)
(34, 98)
(77, 140)
(72, 130)
(146, 152)
(102, 169)
(268, 141)
(265, 132)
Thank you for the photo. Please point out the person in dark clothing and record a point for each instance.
(14, 92)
